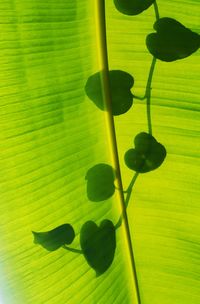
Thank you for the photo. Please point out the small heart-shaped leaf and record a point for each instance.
(98, 244)
(172, 41)
(120, 84)
(54, 239)
(132, 7)
(100, 182)
(148, 154)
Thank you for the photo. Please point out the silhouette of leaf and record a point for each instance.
(172, 41)
(54, 239)
(132, 7)
(100, 182)
(98, 244)
(120, 83)
(148, 154)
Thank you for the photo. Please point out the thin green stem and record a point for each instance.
(148, 94)
(132, 182)
(73, 249)
(129, 192)
(139, 98)
(103, 61)
(156, 10)
(150, 77)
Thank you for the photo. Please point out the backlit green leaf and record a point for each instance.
(52, 135)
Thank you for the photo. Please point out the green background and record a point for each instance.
(51, 134)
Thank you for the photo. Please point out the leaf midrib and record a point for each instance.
(104, 68)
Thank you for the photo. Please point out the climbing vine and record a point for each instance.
(170, 41)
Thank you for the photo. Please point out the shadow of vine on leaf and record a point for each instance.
(132, 7)
(100, 182)
(98, 244)
(148, 154)
(172, 40)
(55, 238)
(120, 85)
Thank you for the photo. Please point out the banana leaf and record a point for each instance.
(52, 136)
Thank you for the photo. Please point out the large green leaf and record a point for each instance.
(51, 135)
(164, 211)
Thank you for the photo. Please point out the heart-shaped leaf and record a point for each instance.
(54, 239)
(148, 154)
(120, 83)
(172, 41)
(98, 244)
(100, 182)
(132, 7)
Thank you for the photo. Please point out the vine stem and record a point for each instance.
(128, 196)
(73, 249)
(103, 61)
(148, 95)
(156, 10)
(150, 77)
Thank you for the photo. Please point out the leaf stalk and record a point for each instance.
(103, 61)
